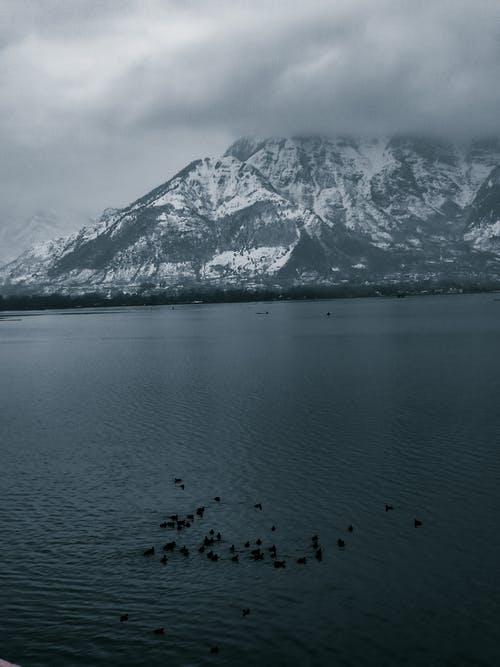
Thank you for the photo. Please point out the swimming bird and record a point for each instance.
(177, 480)
(123, 617)
(246, 612)
(159, 631)
(169, 546)
(200, 510)
(258, 541)
(279, 563)
(301, 561)
(149, 552)
(247, 544)
(340, 543)
(388, 507)
(258, 506)
(328, 314)
(232, 548)
(201, 549)
(217, 499)
(218, 537)
(214, 649)
(236, 559)
(319, 554)
(417, 523)
(314, 538)
(174, 517)
(350, 529)
(184, 551)
(273, 528)
(211, 531)
(182, 486)
(164, 560)
(163, 524)
(190, 517)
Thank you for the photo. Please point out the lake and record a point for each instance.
(322, 419)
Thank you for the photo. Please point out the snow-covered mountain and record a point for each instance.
(288, 211)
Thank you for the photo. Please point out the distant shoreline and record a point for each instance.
(22, 302)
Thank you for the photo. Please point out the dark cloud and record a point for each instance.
(103, 99)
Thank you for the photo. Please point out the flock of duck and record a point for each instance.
(252, 550)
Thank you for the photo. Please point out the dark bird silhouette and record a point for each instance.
(350, 529)
(200, 510)
(272, 548)
(201, 549)
(301, 561)
(319, 554)
(218, 537)
(232, 548)
(164, 560)
(258, 506)
(258, 541)
(314, 538)
(340, 543)
(417, 523)
(388, 507)
(190, 517)
(174, 517)
(150, 552)
(177, 480)
(328, 314)
(246, 612)
(159, 631)
(184, 551)
(247, 544)
(169, 546)
(214, 649)
(273, 528)
(279, 563)
(236, 559)
(217, 499)
(170, 524)
(123, 617)
(182, 486)
(211, 531)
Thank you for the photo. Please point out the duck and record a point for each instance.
(388, 507)
(350, 529)
(273, 528)
(258, 506)
(164, 560)
(177, 480)
(319, 554)
(217, 499)
(417, 523)
(301, 561)
(184, 551)
(279, 563)
(247, 544)
(214, 649)
(163, 524)
(232, 548)
(190, 517)
(150, 552)
(236, 559)
(201, 549)
(340, 543)
(200, 510)
(182, 487)
(246, 612)
(123, 617)
(169, 546)
(218, 537)
(211, 531)
(258, 541)
(159, 631)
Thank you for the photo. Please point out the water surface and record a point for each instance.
(323, 420)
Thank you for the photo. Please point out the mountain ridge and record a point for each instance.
(297, 210)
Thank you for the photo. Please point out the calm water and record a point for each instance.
(322, 420)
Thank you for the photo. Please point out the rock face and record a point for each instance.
(291, 211)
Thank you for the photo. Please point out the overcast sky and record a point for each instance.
(101, 100)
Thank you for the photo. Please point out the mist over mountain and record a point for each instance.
(296, 211)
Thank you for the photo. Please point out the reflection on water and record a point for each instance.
(321, 419)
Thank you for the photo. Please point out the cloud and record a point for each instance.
(117, 95)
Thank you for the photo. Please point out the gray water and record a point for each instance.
(321, 419)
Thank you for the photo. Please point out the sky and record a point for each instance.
(101, 100)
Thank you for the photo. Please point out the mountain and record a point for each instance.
(291, 211)
(16, 236)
